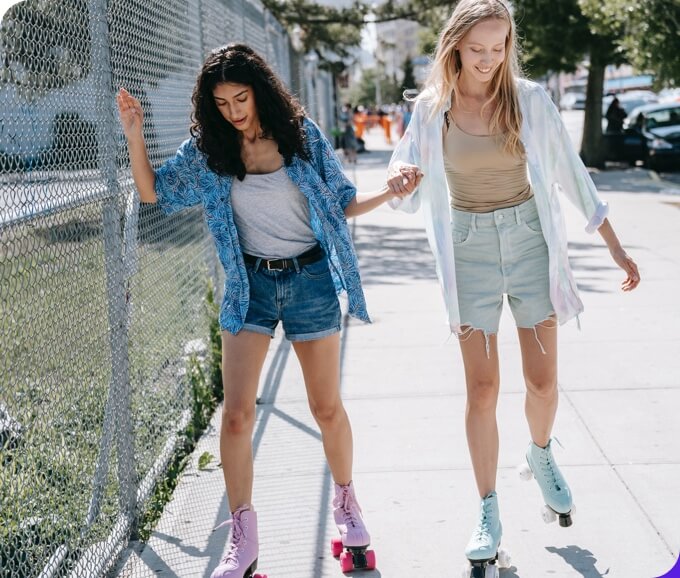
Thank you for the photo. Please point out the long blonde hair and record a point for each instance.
(442, 80)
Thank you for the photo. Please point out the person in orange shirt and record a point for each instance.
(386, 123)
(359, 122)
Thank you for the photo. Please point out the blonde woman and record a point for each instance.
(495, 155)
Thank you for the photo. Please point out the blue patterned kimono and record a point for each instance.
(186, 180)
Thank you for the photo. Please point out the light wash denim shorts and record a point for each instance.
(501, 253)
(303, 299)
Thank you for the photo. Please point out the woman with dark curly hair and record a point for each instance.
(276, 201)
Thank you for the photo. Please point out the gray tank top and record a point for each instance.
(271, 216)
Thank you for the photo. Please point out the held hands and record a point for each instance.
(404, 179)
(131, 114)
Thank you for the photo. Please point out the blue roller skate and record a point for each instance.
(556, 493)
(483, 550)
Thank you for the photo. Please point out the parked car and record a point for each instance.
(669, 95)
(573, 101)
(651, 134)
(629, 101)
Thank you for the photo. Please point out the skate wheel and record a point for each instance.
(259, 576)
(491, 571)
(503, 558)
(346, 562)
(549, 515)
(336, 547)
(477, 571)
(370, 559)
(524, 472)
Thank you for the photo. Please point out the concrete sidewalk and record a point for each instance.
(403, 385)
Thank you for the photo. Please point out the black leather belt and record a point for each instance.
(315, 254)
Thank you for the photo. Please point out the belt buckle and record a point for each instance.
(269, 266)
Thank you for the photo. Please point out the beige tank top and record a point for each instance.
(481, 176)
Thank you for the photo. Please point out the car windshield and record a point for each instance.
(629, 101)
(663, 117)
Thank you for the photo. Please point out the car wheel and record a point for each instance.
(653, 164)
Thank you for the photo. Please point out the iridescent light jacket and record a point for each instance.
(553, 167)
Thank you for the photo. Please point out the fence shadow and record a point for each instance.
(392, 255)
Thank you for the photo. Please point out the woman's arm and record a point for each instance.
(132, 119)
(621, 258)
(364, 202)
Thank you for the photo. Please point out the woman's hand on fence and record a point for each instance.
(131, 114)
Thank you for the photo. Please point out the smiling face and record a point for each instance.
(482, 49)
(236, 103)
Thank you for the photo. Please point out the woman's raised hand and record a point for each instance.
(131, 114)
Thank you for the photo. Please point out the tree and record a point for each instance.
(327, 29)
(409, 80)
(556, 37)
(364, 91)
(647, 31)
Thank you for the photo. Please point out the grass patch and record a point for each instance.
(205, 385)
(56, 368)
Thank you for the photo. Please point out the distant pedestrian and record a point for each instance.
(349, 143)
(360, 119)
(615, 116)
(385, 121)
(496, 155)
(275, 200)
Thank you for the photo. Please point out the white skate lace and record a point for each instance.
(548, 467)
(236, 541)
(482, 533)
(348, 514)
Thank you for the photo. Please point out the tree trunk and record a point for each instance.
(592, 144)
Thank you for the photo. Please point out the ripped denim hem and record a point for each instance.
(465, 331)
(553, 324)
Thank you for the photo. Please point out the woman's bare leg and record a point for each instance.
(243, 356)
(320, 361)
(483, 380)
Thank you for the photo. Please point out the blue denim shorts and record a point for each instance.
(303, 299)
(501, 253)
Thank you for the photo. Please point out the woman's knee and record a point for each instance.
(327, 414)
(237, 420)
(541, 385)
(482, 394)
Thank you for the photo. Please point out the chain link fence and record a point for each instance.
(101, 299)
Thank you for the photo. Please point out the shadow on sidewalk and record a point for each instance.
(266, 409)
(634, 180)
(390, 255)
(583, 561)
(591, 276)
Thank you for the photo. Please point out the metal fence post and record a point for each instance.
(116, 281)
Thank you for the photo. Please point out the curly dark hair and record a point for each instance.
(280, 114)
